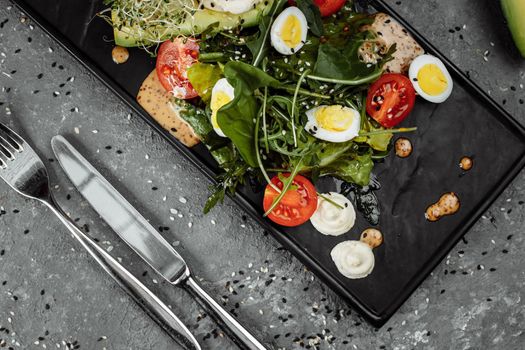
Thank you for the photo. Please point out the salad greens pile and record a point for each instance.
(265, 121)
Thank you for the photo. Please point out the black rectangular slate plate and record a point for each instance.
(469, 123)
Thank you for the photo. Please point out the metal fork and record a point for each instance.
(22, 169)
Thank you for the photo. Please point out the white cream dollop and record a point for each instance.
(354, 259)
(331, 220)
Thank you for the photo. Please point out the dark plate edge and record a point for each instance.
(376, 319)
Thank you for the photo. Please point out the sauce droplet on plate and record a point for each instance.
(448, 204)
(119, 54)
(403, 147)
(372, 236)
(466, 163)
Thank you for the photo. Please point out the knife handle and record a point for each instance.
(240, 335)
(146, 299)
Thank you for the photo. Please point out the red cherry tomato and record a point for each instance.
(173, 60)
(390, 99)
(327, 7)
(297, 205)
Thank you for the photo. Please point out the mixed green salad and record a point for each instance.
(284, 92)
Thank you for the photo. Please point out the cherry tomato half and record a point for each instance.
(173, 60)
(390, 99)
(297, 205)
(327, 7)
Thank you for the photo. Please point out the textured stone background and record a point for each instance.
(53, 296)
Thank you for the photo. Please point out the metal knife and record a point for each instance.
(152, 305)
(142, 237)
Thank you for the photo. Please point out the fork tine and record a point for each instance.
(5, 150)
(12, 138)
(8, 146)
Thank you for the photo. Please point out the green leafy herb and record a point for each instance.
(203, 77)
(220, 148)
(313, 16)
(237, 118)
(354, 169)
(287, 184)
(216, 197)
(342, 64)
(258, 46)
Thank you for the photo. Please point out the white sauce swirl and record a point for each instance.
(331, 220)
(354, 259)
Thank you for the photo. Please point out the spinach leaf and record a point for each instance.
(253, 77)
(237, 118)
(355, 169)
(203, 77)
(313, 16)
(342, 64)
(258, 46)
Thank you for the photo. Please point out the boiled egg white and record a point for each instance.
(333, 123)
(232, 6)
(288, 32)
(430, 78)
(221, 94)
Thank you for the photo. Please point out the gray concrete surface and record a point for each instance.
(53, 296)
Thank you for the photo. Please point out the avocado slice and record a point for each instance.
(514, 11)
(130, 36)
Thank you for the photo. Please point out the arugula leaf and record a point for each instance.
(203, 77)
(258, 46)
(216, 197)
(237, 118)
(313, 16)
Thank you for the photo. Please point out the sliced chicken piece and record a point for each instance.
(390, 32)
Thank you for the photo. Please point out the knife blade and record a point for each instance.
(142, 237)
(86, 180)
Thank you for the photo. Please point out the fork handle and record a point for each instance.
(146, 299)
(240, 335)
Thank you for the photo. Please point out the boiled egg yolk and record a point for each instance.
(334, 118)
(291, 31)
(218, 99)
(432, 80)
